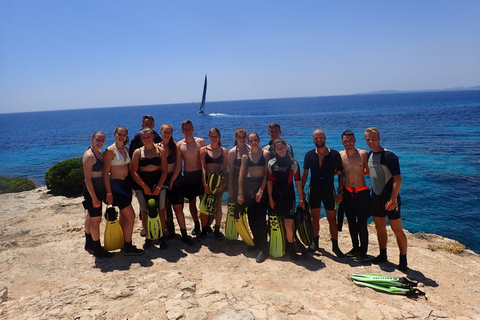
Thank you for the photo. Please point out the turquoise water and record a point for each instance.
(436, 136)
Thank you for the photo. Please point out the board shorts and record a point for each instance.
(317, 195)
(357, 201)
(174, 195)
(378, 207)
(192, 184)
(99, 187)
(122, 192)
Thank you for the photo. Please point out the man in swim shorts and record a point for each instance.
(192, 170)
(356, 195)
(386, 180)
(324, 163)
(274, 133)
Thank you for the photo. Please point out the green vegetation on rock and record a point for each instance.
(66, 178)
(18, 184)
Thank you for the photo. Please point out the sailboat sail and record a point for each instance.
(202, 106)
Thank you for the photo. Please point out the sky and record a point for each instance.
(72, 54)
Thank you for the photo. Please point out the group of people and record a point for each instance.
(262, 179)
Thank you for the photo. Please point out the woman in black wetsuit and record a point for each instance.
(213, 158)
(174, 195)
(251, 184)
(283, 173)
(94, 194)
(149, 170)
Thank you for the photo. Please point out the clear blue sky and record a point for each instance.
(61, 54)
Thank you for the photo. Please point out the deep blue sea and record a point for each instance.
(436, 136)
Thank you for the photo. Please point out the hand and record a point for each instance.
(109, 199)
(96, 203)
(339, 197)
(258, 196)
(147, 191)
(156, 191)
(206, 188)
(390, 205)
(302, 205)
(240, 199)
(272, 203)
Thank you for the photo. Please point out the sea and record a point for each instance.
(436, 136)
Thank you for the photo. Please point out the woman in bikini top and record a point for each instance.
(235, 160)
(254, 167)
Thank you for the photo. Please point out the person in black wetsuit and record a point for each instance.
(149, 170)
(251, 184)
(324, 163)
(213, 158)
(283, 173)
(386, 180)
(94, 194)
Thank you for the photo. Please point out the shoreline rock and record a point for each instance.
(47, 274)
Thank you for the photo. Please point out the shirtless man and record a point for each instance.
(324, 163)
(356, 195)
(192, 170)
(386, 179)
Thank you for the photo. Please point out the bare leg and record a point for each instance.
(289, 229)
(95, 227)
(381, 227)
(332, 223)
(127, 219)
(397, 228)
(316, 221)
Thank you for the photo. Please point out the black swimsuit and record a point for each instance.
(209, 159)
(260, 162)
(98, 166)
(156, 161)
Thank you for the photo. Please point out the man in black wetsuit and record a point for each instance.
(386, 182)
(324, 163)
(274, 133)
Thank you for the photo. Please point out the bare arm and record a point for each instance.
(88, 161)
(230, 160)
(266, 155)
(107, 163)
(178, 166)
(243, 172)
(303, 183)
(164, 174)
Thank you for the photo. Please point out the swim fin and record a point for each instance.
(230, 229)
(215, 180)
(113, 237)
(277, 236)
(387, 283)
(303, 224)
(340, 215)
(384, 280)
(154, 224)
(241, 224)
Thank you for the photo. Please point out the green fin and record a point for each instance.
(230, 229)
(214, 180)
(277, 237)
(304, 225)
(208, 205)
(384, 280)
(113, 237)
(154, 224)
(392, 289)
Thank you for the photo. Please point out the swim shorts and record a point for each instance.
(378, 207)
(174, 195)
(100, 192)
(192, 184)
(122, 192)
(317, 196)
